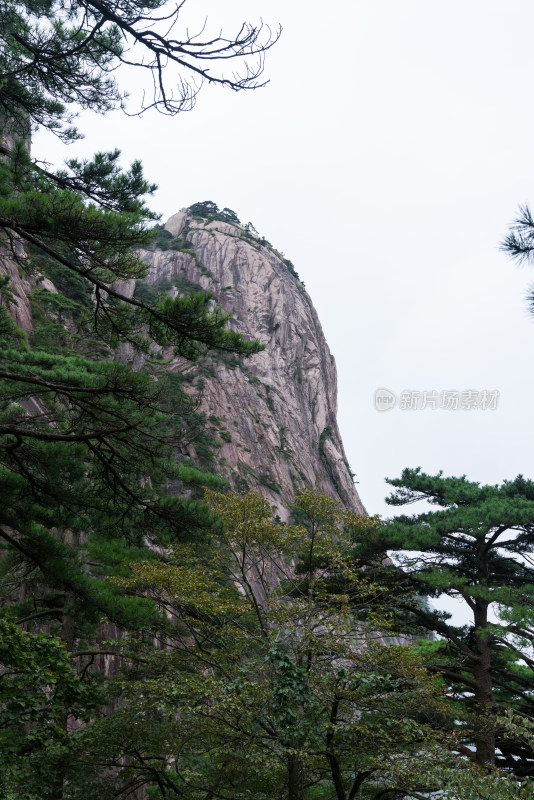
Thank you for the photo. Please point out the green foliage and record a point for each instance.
(271, 698)
(477, 547)
(164, 240)
(38, 690)
(9, 332)
(56, 56)
(89, 477)
(6, 293)
(210, 212)
(150, 293)
(162, 237)
(269, 482)
(326, 433)
(271, 687)
(95, 243)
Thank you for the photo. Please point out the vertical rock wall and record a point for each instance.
(274, 414)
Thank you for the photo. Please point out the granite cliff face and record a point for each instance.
(272, 416)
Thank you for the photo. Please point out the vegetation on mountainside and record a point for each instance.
(209, 211)
(265, 686)
(80, 433)
(155, 643)
(89, 474)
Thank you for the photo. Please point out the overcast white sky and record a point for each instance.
(385, 158)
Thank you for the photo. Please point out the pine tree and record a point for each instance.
(59, 56)
(519, 243)
(88, 445)
(476, 547)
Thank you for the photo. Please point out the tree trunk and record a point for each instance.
(57, 778)
(294, 779)
(484, 700)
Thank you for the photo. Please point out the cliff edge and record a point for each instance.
(272, 416)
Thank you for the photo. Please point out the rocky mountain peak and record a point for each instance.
(272, 416)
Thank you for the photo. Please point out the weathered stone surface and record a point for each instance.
(274, 413)
(175, 224)
(21, 287)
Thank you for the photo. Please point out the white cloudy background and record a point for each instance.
(385, 158)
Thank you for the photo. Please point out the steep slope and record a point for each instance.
(273, 416)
